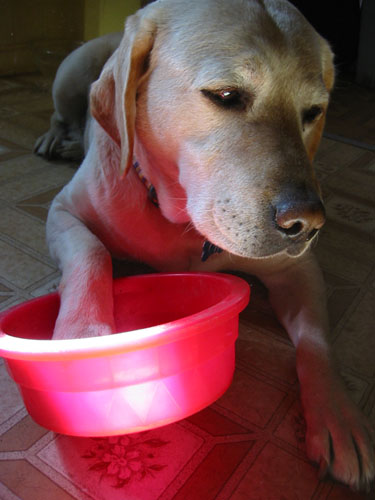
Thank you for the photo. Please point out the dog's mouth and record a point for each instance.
(268, 248)
(209, 249)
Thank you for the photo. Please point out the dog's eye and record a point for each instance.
(309, 115)
(227, 98)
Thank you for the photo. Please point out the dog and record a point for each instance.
(201, 132)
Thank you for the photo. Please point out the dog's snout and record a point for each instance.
(296, 217)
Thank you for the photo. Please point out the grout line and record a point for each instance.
(14, 419)
(352, 142)
(7, 494)
(26, 249)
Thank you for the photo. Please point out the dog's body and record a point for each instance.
(223, 108)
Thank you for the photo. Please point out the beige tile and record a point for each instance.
(6, 293)
(265, 353)
(339, 301)
(292, 428)
(23, 129)
(16, 299)
(216, 424)
(324, 170)
(370, 167)
(15, 168)
(344, 254)
(19, 268)
(252, 399)
(355, 184)
(277, 474)
(42, 179)
(356, 386)
(9, 150)
(38, 212)
(26, 96)
(325, 146)
(22, 435)
(48, 287)
(26, 230)
(28, 483)
(38, 205)
(43, 199)
(338, 154)
(351, 212)
(332, 260)
(355, 346)
(95, 465)
(215, 470)
(340, 492)
(348, 238)
(11, 401)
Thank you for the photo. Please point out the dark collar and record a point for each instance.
(208, 248)
(152, 196)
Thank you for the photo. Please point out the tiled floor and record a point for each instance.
(250, 444)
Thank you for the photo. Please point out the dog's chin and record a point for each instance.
(293, 250)
(297, 250)
(253, 253)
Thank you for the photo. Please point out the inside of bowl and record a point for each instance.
(139, 302)
(169, 298)
(34, 319)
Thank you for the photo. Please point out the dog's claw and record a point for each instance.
(338, 436)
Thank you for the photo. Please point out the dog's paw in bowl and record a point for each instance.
(173, 355)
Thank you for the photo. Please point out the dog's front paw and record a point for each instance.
(338, 437)
(86, 314)
(86, 299)
(47, 144)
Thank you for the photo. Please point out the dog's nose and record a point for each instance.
(298, 216)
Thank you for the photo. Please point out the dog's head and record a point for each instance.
(227, 102)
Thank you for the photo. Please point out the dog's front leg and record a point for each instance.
(338, 436)
(86, 308)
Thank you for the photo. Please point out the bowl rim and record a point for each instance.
(69, 349)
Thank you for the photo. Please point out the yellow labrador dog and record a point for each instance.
(205, 121)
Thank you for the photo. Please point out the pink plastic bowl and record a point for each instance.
(173, 357)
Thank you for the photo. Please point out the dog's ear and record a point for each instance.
(102, 101)
(113, 95)
(328, 68)
(328, 76)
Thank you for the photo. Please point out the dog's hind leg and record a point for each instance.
(70, 93)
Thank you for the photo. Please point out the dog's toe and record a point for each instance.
(46, 145)
(41, 147)
(70, 150)
(365, 450)
(38, 144)
(344, 449)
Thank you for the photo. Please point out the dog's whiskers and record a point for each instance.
(189, 227)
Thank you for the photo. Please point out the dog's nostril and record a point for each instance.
(299, 218)
(293, 230)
